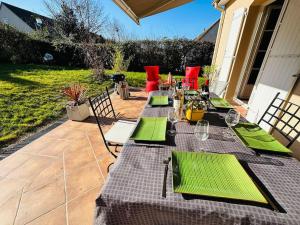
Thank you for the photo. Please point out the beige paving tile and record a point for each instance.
(68, 133)
(31, 168)
(104, 162)
(10, 187)
(47, 147)
(78, 157)
(12, 162)
(97, 144)
(54, 217)
(47, 175)
(40, 201)
(81, 209)
(8, 209)
(83, 179)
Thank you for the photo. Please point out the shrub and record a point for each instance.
(171, 55)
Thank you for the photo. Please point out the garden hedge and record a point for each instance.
(171, 55)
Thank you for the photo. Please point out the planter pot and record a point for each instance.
(78, 113)
(194, 115)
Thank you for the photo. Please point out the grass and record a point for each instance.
(30, 95)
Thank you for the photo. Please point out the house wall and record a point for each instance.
(13, 20)
(229, 10)
(253, 9)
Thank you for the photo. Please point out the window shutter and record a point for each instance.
(233, 38)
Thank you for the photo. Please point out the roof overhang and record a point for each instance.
(138, 9)
(223, 2)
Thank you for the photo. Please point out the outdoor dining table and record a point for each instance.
(132, 193)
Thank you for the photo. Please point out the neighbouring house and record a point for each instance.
(210, 34)
(258, 53)
(23, 20)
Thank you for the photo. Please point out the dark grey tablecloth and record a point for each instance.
(132, 192)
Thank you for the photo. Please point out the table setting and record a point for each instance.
(215, 169)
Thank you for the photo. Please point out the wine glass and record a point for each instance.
(232, 118)
(173, 118)
(201, 131)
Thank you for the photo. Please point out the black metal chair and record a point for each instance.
(280, 114)
(121, 130)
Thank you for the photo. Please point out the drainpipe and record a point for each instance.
(219, 8)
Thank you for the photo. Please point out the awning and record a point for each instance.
(138, 9)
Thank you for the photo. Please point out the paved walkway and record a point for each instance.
(56, 178)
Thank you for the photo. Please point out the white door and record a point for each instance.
(281, 62)
(232, 42)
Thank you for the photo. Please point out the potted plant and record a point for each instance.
(209, 72)
(77, 107)
(195, 110)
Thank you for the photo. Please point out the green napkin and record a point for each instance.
(214, 175)
(255, 137)
(150, 129)
(159, 100)
(220, 103)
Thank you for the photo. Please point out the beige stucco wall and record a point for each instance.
(229, 10)
(13, 20)
(253, 7)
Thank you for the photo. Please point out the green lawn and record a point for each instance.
(30, 95)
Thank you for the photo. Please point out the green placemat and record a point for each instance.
(214, 175)
(150, 129)
(159, 100)
(255, 137)
(191, 92)
(220, 103)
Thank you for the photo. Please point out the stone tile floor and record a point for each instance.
(55, 179)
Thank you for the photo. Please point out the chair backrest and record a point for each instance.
(191, 76)
(284, 117)
(102, 107)
(152, 72)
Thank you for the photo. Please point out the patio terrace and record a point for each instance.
(56, 178)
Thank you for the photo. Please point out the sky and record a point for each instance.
(187, 21)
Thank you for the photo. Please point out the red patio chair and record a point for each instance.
(152, 78)
(191, 77)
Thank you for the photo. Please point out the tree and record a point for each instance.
(80, 23)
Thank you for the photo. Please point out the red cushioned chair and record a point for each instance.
(191, 77)
(152, 78)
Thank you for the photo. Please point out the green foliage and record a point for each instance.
(171, 55)
(120, 64)
(30, 95)
(209, 69)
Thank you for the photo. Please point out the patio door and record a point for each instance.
(233, 39)
(282, 61)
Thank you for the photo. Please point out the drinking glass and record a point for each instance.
(232, 118)
(202, 131)
(173, 118)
